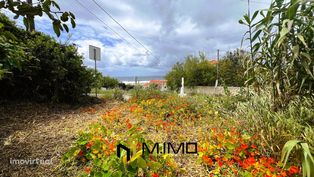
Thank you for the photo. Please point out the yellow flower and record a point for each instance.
(95, 151)
(104, 147)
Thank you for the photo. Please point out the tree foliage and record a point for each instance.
(109, 82)
(28, 11)
(199, 71)
(35, 66)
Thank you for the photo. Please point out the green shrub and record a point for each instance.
(37, 67)
(109, 82)
(198, 71)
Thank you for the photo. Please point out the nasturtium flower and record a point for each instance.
(293, 170)
(88, 145)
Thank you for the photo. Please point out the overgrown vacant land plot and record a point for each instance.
(235, 136)
(226, 146)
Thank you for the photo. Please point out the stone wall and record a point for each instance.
(211, 90)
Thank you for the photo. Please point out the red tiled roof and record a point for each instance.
(157, 82)
(213, 62)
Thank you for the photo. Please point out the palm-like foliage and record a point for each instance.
(283, 49)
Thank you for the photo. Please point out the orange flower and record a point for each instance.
(244, 146)
(220, 163)
(283, 174)
(251, 160)
(293, 170)
(87, 169)
(155, 175)
(88, 145)
(129, 125)
(208, 160)
(111, 146)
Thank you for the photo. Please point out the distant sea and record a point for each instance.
(140, 78)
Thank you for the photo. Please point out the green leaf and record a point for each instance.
(247, 19)
(301, 38)
(66, 27)
(306, 149)
(283, 34)
(292, 10)
(72, 15)
(287, 150)
(56, 27)
(73, 23)
(141, 163)
(254, 15)
(256, 35)
(65, 17)
(55, 4)
(242, 22)
(296, 51)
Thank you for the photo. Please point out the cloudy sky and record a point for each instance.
(169, 29)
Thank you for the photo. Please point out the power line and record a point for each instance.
(107, 26)
(147, 50)
(120, 25)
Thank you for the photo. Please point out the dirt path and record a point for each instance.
(41, 131)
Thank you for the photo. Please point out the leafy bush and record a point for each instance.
(199, 71)
(39, 68)
(109, 82)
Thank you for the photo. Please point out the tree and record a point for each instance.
(109, 82)
(231, 69)
(49, 7)
(174, 76)
(97, 78)
(199, 71)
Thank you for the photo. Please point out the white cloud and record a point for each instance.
(171, 29)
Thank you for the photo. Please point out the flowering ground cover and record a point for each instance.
(224, 146)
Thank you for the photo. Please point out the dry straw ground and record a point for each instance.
(44, 131)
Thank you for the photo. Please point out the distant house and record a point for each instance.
(160, 84)
(213, 61)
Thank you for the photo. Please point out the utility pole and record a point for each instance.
(31, 19)
(217, 69)
(95, 71)
(251, 45)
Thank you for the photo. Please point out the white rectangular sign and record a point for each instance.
(94, 53)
